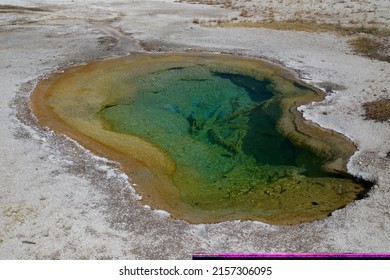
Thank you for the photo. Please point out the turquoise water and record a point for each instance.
(219, 128)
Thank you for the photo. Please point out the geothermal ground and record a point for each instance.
(59, 201)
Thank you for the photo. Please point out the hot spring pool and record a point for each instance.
(207, 138)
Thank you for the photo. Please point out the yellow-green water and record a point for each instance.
(206, 138)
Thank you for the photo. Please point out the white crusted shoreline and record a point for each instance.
(70, 204)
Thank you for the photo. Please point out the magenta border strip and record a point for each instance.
(291, 256)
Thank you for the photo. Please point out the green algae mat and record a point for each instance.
(207, 138)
